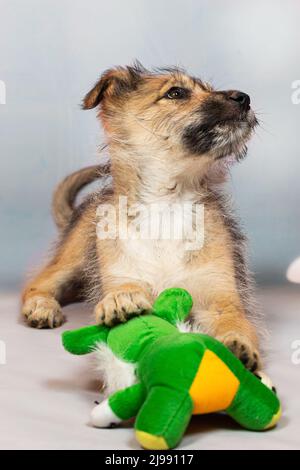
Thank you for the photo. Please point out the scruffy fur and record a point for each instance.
(164, 146)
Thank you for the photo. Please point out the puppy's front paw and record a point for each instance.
(42, 312)
(119, 306)
(265, 379)
(243, 349)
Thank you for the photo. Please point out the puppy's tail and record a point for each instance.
(66, 192)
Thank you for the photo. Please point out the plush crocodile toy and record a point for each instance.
(177, 375)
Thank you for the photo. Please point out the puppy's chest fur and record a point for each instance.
(157, 262)
(163, 262)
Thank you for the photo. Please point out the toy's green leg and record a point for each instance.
(173, 305)
(163, 418)
(255, 406)
(120, 406)
(84, 340)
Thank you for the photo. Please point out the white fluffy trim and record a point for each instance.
(114, 372)
(186, 327)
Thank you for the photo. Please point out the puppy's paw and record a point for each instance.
(243, 349)
(42, 312)
(119, 306)
(265, 379)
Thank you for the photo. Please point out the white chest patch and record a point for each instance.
(112, 371)
(158, 252)
(156, 259)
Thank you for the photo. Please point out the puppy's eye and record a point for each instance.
(177, 93)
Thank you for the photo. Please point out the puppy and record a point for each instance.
(170, 136)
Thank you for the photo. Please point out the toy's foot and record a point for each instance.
(150, 441)
(103, 416)
(42, 312)
(243, 349)
(119, 306)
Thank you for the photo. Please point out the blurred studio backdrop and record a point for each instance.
(52, 52)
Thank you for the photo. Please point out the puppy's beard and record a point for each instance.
(229, 141)
(229, 147)
(230, 138)
(222, 138)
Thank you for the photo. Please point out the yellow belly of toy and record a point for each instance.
(214, 386)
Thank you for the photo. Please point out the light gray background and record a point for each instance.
(52, 51)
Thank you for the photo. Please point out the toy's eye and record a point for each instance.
(177, 93)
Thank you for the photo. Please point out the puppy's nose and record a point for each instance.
(242, 99)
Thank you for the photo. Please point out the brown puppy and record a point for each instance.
(169, 135)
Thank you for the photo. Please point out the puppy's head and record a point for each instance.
(171, 114)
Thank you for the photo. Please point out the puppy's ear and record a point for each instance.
(116, 82)
(95, 96)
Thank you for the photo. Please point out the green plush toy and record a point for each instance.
(177, 375)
